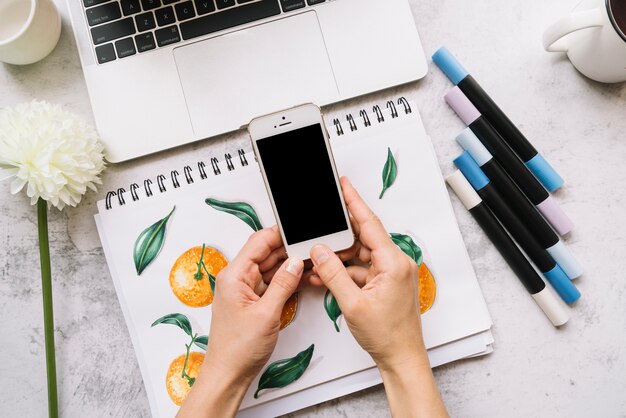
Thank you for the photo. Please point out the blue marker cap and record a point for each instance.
(449, 65)
(562, 284)
(545, 173)
(471, 171)
(470, 143)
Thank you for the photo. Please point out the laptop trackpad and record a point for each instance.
(233, 78)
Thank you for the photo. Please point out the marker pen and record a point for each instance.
(509, 161)
(513, 137)
(544, 262)
(518, 202)
(546, 300)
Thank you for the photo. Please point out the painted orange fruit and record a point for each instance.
(427, 288)
(189, 279)
(177, 386)
(289, 311)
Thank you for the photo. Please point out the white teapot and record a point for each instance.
(594, 39)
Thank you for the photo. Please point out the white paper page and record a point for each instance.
(471, 346)
(417, 204)
(458, 310)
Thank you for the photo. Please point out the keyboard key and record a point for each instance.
(89, 3)
(221, 4)
(229, 18)
(169, 1)
(130, 7)
(105, 53)
(125, 48)
(243, 1)
(103, 14)
(113, 30)
(184, 11)
(145, 42)
(312, 2)
(167, 36)
(204, 6)
(145, 21)
(150, 4)
(165, 16)
(289, 5)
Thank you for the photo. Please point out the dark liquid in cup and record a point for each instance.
(617, 11)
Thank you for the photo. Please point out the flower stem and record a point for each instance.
(48, 319)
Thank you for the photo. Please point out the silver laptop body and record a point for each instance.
(162, 73)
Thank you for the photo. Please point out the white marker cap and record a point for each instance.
(551, 306)
(463, 190)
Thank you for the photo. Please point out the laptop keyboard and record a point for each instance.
(123, 28)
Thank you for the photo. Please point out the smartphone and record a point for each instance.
(293, 151)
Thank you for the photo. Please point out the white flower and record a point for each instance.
(50, 151)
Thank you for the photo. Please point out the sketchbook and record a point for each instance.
(166, 239)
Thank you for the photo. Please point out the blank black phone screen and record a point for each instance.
(300, 175)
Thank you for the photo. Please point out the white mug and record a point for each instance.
(29, 30)
(594, 40)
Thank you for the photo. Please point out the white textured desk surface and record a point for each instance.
(535, 370)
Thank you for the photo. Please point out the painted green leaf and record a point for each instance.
(390, 171)
(332, 308)
(202, 341)
(242, 210)
(149, 244)
(177, 319)
(212, 283)
(283, 372)
(408, 246)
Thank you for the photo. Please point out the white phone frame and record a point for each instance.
(285, 121)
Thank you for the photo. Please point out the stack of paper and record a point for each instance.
(456, 323)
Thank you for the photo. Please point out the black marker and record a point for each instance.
(546, 300)
(544, 262)
(509, 132)
(531, 187)
(518, 202)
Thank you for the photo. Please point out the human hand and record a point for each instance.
(245, 323)
(379, 302)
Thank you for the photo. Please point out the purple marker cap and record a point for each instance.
(462, 105)
(555, 216)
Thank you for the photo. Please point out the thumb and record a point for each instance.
(334, 275)
(284, 283)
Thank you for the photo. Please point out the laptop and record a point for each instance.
(162, 73)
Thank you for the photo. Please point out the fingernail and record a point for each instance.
(294, 266)
(319, 254)
(347, 180)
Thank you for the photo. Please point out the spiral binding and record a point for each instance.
(175, 179)
(380, 117)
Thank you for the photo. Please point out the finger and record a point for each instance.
(365, 255)
(276, 257)
(356, 228)
(283, 284)
(372, 231)
(334, 275)
(260, 245)
(358, 274)
(314, 280)
(260, 288)
(267, 276)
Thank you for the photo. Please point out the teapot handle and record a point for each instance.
(553, 36)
